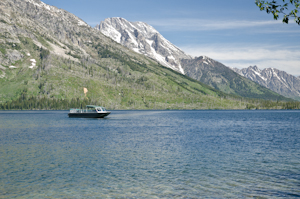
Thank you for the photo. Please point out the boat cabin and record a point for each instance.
(96, 108)
(89, 109)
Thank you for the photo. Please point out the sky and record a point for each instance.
(233, 32)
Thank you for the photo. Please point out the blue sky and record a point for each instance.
(234, 32)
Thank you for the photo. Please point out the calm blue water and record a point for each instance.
(150, 154)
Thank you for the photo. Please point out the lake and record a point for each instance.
(150, 154)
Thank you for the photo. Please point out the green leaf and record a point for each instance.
(285, 19)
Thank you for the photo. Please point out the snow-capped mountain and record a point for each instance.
(221, 77)
(143, 39)
(274, 79)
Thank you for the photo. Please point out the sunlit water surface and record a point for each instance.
(150, 154)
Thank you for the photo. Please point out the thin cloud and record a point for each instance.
(199, 24)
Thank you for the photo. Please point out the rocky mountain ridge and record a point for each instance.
(56, 25)
(274, 79)
(143, 39)
(221, 77)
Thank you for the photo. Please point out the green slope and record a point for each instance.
(117, 81)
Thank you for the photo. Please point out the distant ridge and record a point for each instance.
(274, 79)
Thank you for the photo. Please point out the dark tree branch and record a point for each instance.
(277, 8)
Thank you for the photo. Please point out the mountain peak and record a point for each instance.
(52, 10)
(41, 4)
(255, 68)
(144, 39)
(274, 79)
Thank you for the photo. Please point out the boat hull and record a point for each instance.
(88, 115)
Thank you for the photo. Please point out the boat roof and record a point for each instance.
(94, 106)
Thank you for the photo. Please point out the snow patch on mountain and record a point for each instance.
(274, 79)
(144, 39)
(258, 74)
(82, 23)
